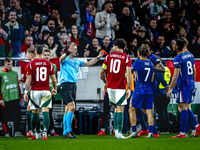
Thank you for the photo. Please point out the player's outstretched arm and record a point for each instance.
(128, 72)
(93, 61)
(159, 68)
(174, 81)
(54, 91)
(27, 87)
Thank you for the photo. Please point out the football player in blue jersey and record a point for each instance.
(189, 124)
(159, 68)
(184, 75)
(142, 97)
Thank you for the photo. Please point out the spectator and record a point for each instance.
(23, 15)
(182, 33)
(172, 7)
(160, 49)
(167, 26)
(194, 15)
(12, 34)
(132, 47)
(51, 29)
(181, 20)
(141, 35)
(105, 44)
(73, 13)
(37, 17)
(142, 6)
(197, 32)
(32, 7)
(28, 43)
(161, 100)
(62, 43)
(126, 24)
(90, 20)
(55, 16)
(156, 9)
(106, 23)
(35, 32)
(43, 9)
(10, 95)
(133, 14)
(80, 41)
(51, 46)
(172, 53)
(2, 44)
(94, 47)
(152, 31)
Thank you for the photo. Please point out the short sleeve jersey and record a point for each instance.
(40, 69)
(153, 58)
(116, 64)
(185, 62)
(69, 70)
(144, 70)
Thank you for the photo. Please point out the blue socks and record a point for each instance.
(140, 118)
(133, 128)
(69, 121)
(154, 128)
(65, 124)
(184, 119)
(150, 129)
(191, 117)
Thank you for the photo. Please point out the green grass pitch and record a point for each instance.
(94, 142)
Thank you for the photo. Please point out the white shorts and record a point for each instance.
(117, 96)
(40, 99)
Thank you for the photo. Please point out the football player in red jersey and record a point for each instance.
(38, 72)
(117, 64)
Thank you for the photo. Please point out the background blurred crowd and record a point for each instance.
(94, 24)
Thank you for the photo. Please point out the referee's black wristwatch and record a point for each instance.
(98, 58)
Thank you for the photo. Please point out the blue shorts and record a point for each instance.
(185, 96)
(144, 101)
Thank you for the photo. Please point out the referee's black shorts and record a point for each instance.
(68, 92)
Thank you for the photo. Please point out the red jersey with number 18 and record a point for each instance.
(40, 69)
(115, 64)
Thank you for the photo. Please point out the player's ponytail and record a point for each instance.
(143, 51)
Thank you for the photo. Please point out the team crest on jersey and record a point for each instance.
(5, 78)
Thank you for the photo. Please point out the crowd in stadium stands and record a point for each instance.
(94, 24)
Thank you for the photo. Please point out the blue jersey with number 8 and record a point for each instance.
(144, 70)
(185, 62)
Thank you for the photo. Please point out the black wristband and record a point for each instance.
(98, 58)
(67, 53)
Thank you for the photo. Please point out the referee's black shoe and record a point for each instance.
(71, 134)
(66, 136)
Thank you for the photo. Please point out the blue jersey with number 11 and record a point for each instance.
(144, 70)
(185, 62)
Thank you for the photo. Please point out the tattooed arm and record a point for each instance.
(27, 87)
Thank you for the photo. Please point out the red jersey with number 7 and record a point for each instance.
(40, 69)
(115, 64)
